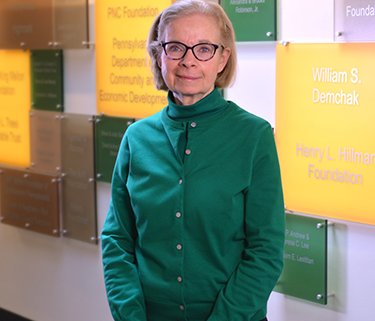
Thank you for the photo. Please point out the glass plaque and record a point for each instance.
(253, 20)
(26, 24)
(29, 200)
(305, 259)
(325, 133)
(71, 23)
(14, 108)
(108, 132)
(46, 80)
(45, 141)
(354, 20)
(78, 177)
(124, 82)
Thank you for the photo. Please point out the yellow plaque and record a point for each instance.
(125, 85)
(325, 129)
(14, 107)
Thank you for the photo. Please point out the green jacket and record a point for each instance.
(195, 228)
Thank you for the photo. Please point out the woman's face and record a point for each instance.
(190, 79)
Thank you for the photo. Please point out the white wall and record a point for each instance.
(48, 279)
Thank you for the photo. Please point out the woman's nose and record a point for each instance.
(189, 59)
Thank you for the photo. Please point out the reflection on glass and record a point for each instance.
(29, 200)
(78, 178)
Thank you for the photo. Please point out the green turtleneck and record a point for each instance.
(211, 105)
(198, 237)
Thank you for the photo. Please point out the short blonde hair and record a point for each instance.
(186, 8)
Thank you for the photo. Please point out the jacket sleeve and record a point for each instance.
(247, 291)
(124, 290)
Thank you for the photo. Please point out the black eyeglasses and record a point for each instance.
(177, 50)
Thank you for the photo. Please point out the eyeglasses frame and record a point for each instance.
(163, 44)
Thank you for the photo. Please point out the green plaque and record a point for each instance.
(46, 80)
(305, 258)
(253, 20)
(108, 133)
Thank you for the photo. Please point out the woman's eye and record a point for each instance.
(204, 49)
(175, 48)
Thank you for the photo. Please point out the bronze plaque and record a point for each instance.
(78, 178)
(45, 141)
(29, 200)
(26, 24)
(71, 23)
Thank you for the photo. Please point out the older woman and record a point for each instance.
(195, 227)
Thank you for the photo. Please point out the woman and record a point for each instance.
(195, 228)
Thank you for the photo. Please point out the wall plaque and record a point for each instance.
(47, 80)
(71, 23)
(26, 24)
(30, 200)
(253, 20)
(325, 128)
(108, 132)
(78, 177)
(45, 141)
(354, 20)
(43, 24)
(124, 82)
(305, 259)
(14, 108)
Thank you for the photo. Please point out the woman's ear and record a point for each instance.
(223, 59)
